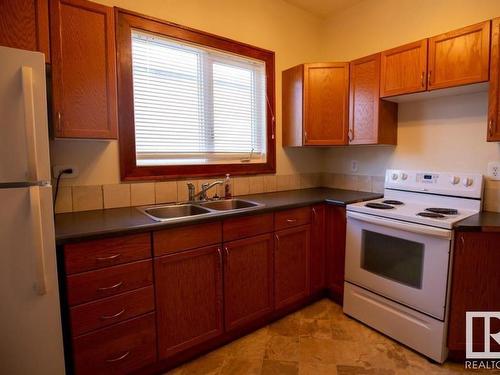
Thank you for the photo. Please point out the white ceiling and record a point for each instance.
(323, 8)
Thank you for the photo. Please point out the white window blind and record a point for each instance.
(196, 105)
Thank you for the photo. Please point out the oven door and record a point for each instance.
(405, 262)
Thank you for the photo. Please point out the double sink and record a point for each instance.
(173, 212)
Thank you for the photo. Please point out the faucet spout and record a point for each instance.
(202, 194)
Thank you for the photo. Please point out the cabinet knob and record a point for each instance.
(422, 79)
(490, 128)
(429, 76)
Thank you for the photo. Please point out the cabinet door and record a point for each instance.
(83, 69)
(326, 88)
(335, 250)
(24, 24)
(403, 69)
(188, 298)
(248, 279)
(475, 281)
(459, 57)
(291, 265)
(371, 120)
(318, 266)
(494, 107)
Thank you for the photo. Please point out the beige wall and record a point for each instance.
(292, 33)
(445, 133)
(374, 25)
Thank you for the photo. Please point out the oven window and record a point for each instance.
(393, 258)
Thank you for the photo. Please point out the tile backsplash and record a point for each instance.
(83, 198)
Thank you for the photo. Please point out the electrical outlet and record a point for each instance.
(494, 170)
(354, 165)
(56, 169)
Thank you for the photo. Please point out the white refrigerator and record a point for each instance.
(30, 322)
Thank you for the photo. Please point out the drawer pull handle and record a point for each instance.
(111, 257)
(123, 356)
(106, 317)
(291, 220)
(117, 285)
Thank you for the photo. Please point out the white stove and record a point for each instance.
(434, 199)
(398, 255)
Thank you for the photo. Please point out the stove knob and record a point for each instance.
(468, 182)
(404, 176)
(454, 180)
(394, 176)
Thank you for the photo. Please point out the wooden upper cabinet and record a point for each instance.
(403, 69)
(493, 134)
(315, 104)
(83, 69)
(371, 120)
(459, 57)
(188, 299)
(24, 24)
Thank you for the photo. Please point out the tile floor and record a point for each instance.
(317, 340)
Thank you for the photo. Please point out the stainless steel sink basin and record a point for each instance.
(174, 211)
(230, 204)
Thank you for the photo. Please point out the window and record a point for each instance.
(192, 103)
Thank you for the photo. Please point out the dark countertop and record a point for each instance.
(481, 222)
(77, 226)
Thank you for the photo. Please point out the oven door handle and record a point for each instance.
(407, 227)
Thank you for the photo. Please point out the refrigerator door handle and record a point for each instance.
(29, 122)
(36, 210)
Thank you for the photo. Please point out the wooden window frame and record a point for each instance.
(125, 22)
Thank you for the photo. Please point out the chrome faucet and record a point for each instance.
(202, 194)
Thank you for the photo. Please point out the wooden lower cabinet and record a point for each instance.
(335, 250)
(119, 349)
(474, 287)
(188, 299)
(291, 265)
(317, 253)
(248, 280)
(264, 266)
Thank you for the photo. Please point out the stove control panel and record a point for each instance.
(427, 178)
(454, 184)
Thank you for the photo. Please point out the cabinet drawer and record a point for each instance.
(111, 310)
(119, 349)
(92, 285)
(91, 255)
(184, 238)
(247, 226)
(292, 218)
